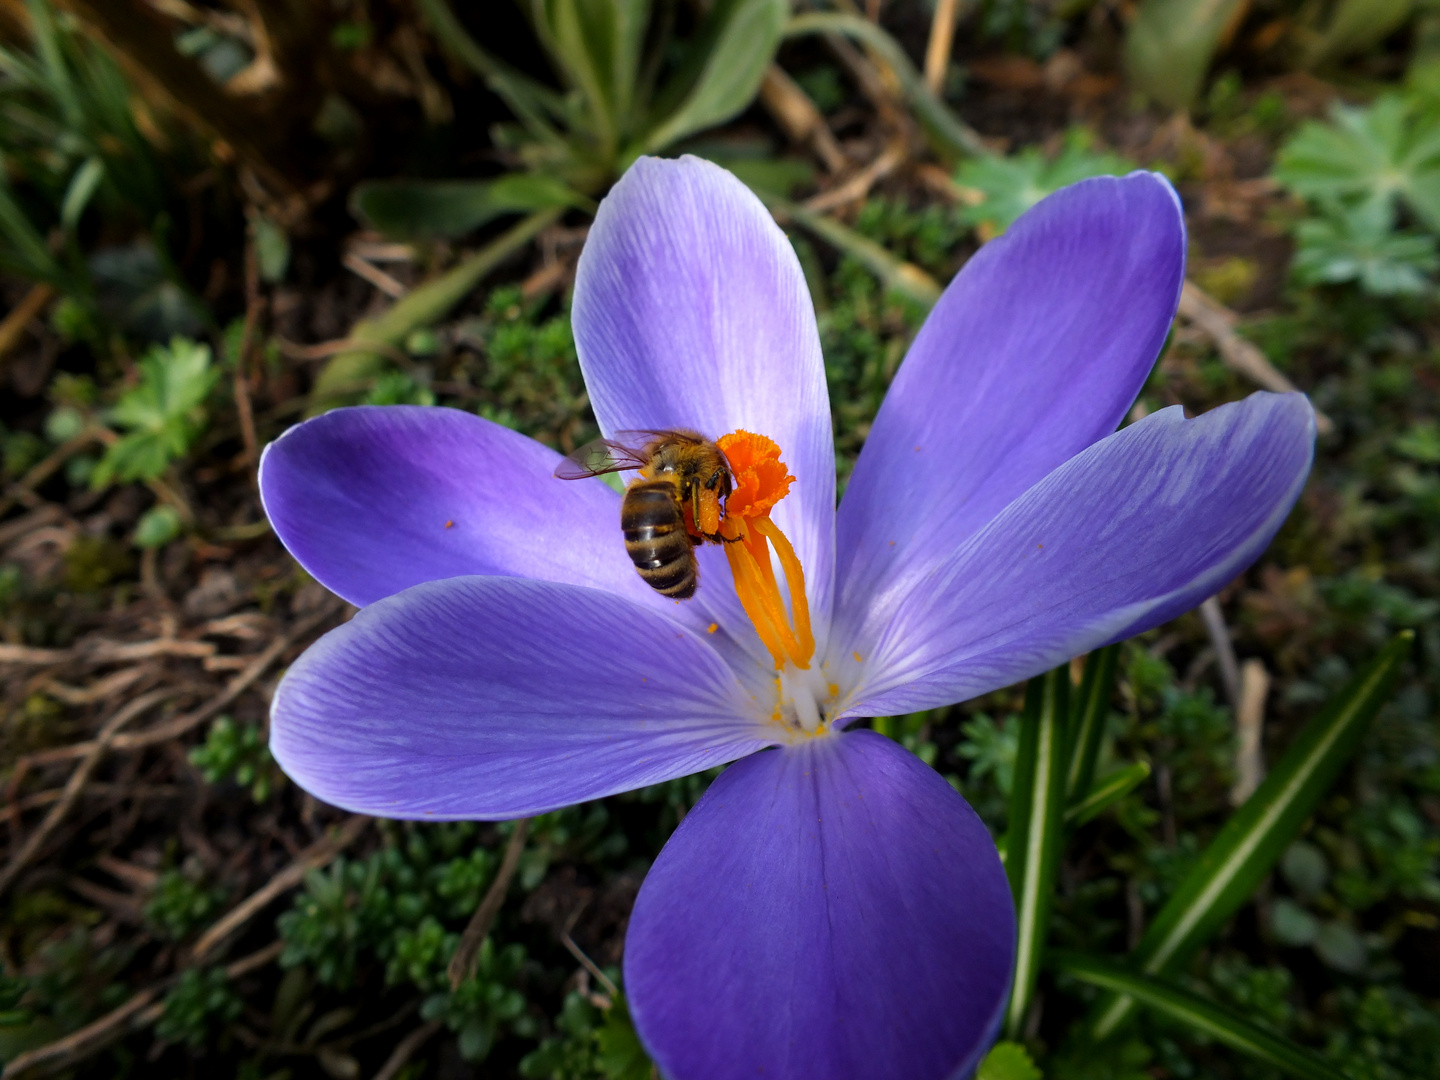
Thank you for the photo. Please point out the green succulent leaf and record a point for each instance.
(732, 51)
(1169, 46)
(1203, 1015)
(1387, 152)
(596, 45)
(1253, 840)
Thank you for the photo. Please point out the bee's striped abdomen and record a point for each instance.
(656, 540)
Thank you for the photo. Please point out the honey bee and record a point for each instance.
(676, 504)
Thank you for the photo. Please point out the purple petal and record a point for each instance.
(373, 500)
(691, 311)
(493, 697)
(1126, 535)
(833, 909)
(1035, 351)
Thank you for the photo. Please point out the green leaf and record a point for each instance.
(161, 415)
(529, 100)
(272, 250)
(1092, 709)
(1354, 26)
(1205, 1016)
(596, 45)
(1110, 790)
(1358, 244)
(448, 208)
(1012, 185)
(1008, 1061)
(737, 42)
(1252, 841)
(1037, 807)
(1387, 152)
(618, 1050)
(83, 186)
(1169, 45)
(156, 527)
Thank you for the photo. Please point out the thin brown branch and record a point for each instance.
(1250, 731)
(462, 964)
(29, 307)
(78, 1045)
(1217, 322)
(181, 724)
(140, 1011)
(859, 185)
(793, 110)
(942, 40)
(406, 1047)
(82, 772)
(245, 413)
(374, 275)
(315, 856)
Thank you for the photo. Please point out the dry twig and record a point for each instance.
(462, 964)
(140, 1011)
(31, 305)
(792, 109)
(77, 780)
(859, 185)
(942, 40)
(1250, 724)
(315, 856)
(1217, 322)
(406, 1047)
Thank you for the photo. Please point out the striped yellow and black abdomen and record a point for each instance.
(656, 540)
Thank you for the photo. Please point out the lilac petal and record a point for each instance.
(493, 697)
(373, 500)
(691, 311)
(833, 909)
(1035, 351)
(1126, 535)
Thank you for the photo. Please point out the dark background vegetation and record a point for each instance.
(192, 262)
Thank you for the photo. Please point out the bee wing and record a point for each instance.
(600, 456)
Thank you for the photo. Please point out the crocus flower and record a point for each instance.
(831, 908)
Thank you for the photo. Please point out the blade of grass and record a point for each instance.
(954, 135)
(1106, 794)
(1249, 844)
(527, 99)
(1205, 1016)
(347, 372)
(905, 278)
(1092, 709)
(1037, 806)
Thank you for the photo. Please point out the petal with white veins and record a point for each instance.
(691, 311)
(1035, 351)
(1126, 535)
(487, 698)
(832, 909)
(374, 499)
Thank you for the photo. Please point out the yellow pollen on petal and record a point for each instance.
(761, 480)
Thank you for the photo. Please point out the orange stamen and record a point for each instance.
(761, 481)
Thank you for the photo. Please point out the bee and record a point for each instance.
(676, 504)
